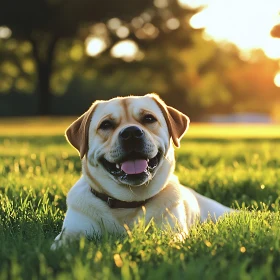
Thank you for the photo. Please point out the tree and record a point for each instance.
(275, 31)
(45, 23)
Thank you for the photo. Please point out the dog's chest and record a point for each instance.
(160, 208)
(167, 204)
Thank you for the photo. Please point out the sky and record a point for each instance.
(246, 23)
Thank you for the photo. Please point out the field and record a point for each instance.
(236, 165)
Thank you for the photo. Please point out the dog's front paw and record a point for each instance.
(59, 241)
(57, 244)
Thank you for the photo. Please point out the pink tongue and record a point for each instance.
(134, 166)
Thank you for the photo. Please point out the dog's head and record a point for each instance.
(128, 140)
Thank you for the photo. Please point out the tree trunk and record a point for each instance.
(44, 63)
(43, 89)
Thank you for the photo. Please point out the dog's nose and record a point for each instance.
(131, 133)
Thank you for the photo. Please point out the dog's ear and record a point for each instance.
(77, 132)
(177, 122)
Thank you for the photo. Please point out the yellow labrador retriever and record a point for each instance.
(128, 162)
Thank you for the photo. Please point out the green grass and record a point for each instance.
(37, 170)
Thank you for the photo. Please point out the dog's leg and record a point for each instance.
(75, 225)
(210, 208)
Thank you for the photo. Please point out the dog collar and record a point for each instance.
(115, 203)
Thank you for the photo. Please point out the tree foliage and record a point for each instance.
(45, 24)
(275, 31)
(47, 55)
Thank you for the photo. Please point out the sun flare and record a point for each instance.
(95, 46)
(277, 79)
(126, 49)
(244, 23)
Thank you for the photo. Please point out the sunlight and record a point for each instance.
(161, 4)
(122, 32)
(95, 46)
(272, 48)
(244, 23)
(114, 23)
(126, 49)
(277, 79)
(193, 4)
(173, 23)
(5, 32)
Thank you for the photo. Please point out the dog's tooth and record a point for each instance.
(117, 165)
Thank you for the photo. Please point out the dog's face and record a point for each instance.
(127, 140)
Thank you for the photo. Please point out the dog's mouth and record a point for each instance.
(133, 166)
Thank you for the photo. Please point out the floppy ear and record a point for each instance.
(177, 122)
(77, 132)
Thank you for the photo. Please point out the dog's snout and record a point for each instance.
(131, 132)
(132, 138)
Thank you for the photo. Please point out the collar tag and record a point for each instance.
(110, 202)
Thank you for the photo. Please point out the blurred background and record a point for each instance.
(215, 60)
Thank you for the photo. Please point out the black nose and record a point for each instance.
(131, 133)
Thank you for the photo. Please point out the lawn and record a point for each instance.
(236, 165)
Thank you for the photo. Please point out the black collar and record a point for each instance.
(115, 203)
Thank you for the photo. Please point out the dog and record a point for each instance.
(126, 148)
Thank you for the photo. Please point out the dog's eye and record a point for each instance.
(149, 119)
(107, 124)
